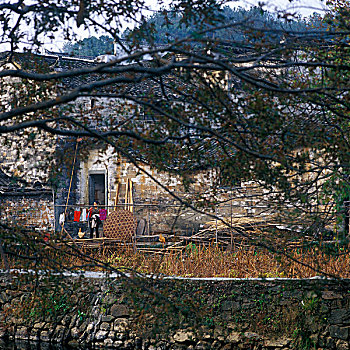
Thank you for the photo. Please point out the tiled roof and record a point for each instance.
(60, 63)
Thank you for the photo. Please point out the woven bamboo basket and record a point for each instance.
(120, 225)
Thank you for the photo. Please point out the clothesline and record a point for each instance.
(81, 215)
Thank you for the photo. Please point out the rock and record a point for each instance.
(339, 332)
(118, 344)
(342, 345)
(226, 347)
(118, 311)
(22, 333)
(66, 320)
(120, 336)
(111, 335)
(107, 318)
(329, 295)
(39, 325)
(330, 343)
(45, 336)
(216, 345)
(182, 336)
(73, 344)
(234, 337)
(252, 335)
(120, 325)
(73, 322)
(101, 335)
(202, 345)
(108, 343)
(89, 328)
(59, 334)
(75, 332)
(161, 345)
(277, 343)
(129, 344)
(105, 326)
(339, 316)
(34, 335)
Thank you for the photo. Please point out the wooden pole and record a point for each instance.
(131, 208)
(116, 195)
(126, 207)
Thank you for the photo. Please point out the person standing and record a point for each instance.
(94, 220)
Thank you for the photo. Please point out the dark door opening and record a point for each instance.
(97, 188)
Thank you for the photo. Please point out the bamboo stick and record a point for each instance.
(131, 199)
(117, 194)
(126, 195)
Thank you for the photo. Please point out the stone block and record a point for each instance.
(118, 311)
(39, 325)
(216, 345)
(119, 336)
(129, 344)
(118, 344)
(34, 335)
(339, 332)
(73, 322)
(59, 334)
(75, 333)
(45, 336)
(101, 335)
(330, 295)
(226, 347)
(107, 318)
(202, 345)
(339, 316)
(120, 325)
(183, 336)
(105, 326)
(73, 344)
(342, 345)
(234, 337)
(277, 343)
(108, 343)
(88, 327)
(22, 333)
(252, 335)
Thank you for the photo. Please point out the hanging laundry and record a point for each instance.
(61, 219)
(77, 215)
(103, 214)
(83, 215)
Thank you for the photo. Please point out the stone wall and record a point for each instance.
(32, 210)
(177, 314)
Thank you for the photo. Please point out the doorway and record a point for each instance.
(97, 188)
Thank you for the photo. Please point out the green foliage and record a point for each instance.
(91, 46)
(169, 25)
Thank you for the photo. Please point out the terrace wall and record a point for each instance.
(178, 314)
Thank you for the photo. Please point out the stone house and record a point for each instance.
(94, 173)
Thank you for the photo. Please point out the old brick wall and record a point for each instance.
(32, 210)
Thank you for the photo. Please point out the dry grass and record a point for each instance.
(200, 261)
(192, 261)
